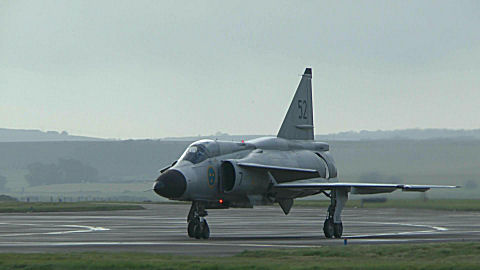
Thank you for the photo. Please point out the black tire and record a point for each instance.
(197, 230)
(205, 230)
(191, 229)
(338, 230)
(328, 228)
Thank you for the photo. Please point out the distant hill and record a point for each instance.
(32, 135)
(409, 134)
(401, 134)
(26, 135)
(216, 136)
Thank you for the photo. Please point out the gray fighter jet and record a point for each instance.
(215, 174)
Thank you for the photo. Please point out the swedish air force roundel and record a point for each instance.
(211, 176)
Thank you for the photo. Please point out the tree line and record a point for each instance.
(64, 171)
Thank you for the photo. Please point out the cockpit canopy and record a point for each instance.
(195, 154)
(203, 149)
(200, 151)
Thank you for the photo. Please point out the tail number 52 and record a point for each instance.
(302, 106)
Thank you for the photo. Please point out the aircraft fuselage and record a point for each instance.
(211, 172)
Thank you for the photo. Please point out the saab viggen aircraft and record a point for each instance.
(215, 174)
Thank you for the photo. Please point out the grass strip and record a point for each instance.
(432, 204)
(399, 256)
(27, 207)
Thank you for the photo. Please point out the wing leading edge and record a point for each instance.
(359, 188)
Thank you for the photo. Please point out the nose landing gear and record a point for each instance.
(197, 224)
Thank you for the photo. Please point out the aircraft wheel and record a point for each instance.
(197, 230)
(328, 228)
(338, 230)
(205, 230)
(191, 229)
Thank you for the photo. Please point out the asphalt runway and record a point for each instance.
(162, 229)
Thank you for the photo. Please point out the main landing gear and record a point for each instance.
(197, 224)
(333, 227)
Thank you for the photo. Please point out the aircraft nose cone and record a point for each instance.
(170, 184)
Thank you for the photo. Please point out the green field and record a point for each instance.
(401, 256)
(24, 207)
(433, 204)
(127, 168)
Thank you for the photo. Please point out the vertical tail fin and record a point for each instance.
(298, 123)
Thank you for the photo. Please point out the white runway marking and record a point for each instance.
(82, 229)
(433, 229)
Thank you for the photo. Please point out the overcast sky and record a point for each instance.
(151, 69)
